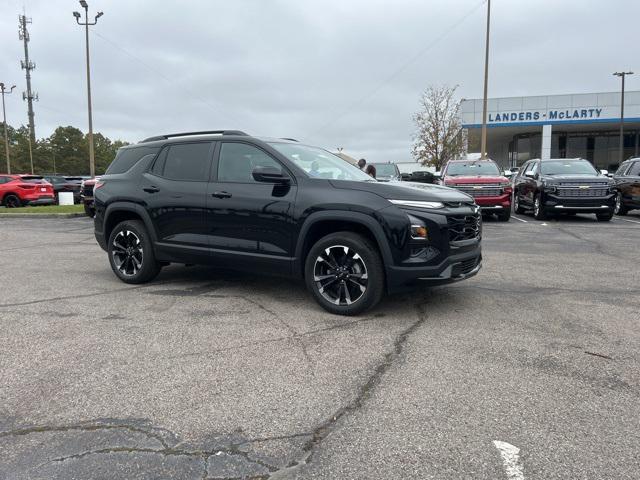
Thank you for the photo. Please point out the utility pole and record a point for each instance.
(622, 75)
(483, 139)
(6, 127)
(28, 95)
(83, 4)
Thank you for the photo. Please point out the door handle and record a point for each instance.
(151, 189)
(221, 194)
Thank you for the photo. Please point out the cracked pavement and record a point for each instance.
(210, 374)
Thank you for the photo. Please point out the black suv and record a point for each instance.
(563, 185)
(627, 180)
(277, 206)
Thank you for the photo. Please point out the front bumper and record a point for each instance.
(454, 268)
(494, 204)
(554, 203)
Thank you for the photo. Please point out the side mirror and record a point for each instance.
(529, 174)
(270, 175)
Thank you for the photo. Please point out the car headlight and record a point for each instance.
(550, 187)
(417, 204)
(418, 229)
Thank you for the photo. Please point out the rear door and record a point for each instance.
(631, 192)
(249, 223)
(174, 191)
(529, 183)
(519, 182)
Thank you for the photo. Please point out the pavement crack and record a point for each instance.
(365, 390)
(274, 340)
(85, 428)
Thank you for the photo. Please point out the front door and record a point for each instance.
(175, 193)
(249, 223)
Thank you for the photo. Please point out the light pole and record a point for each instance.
(4, 116)
(622, 75)
(483, 135)
(83, 4)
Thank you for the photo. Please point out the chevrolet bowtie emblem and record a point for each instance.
(583, 187)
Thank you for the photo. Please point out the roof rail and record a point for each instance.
(290, 139)
(188, 134)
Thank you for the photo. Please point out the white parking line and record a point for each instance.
(519, 219)
(511, 459)
(627, 220)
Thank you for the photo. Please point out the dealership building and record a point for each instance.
(585, 125)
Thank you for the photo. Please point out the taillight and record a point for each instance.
(27, 186)
(98, 185)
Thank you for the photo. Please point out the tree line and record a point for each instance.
(65, 151)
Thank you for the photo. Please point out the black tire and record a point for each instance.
(89, 210)
(131, 253)
(517, 208)
(12, 201)
(538, 209)
(620, 208)
(604, 217)
(345, 273)
(504, 215)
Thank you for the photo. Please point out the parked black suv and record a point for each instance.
(280, 207)
(627, 180)
(563, 185)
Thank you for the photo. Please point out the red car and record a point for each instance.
(17, 190)
(484, 181)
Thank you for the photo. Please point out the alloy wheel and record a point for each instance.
(12, 201)
(127, 252)
(536, 206)
(340, 275)
(516, 202)
(616, 209)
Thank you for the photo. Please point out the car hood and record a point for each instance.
(476, 179)
(584, 179)
(406, 191)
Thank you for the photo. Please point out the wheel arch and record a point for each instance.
(120, 211)
(320, 224)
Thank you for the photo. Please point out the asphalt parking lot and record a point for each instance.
(529, 370)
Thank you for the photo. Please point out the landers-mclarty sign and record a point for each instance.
(541, 116)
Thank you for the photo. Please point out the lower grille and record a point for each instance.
(465, 267)
(464, 227)
(582, 192)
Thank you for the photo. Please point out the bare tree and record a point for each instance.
(438, 138)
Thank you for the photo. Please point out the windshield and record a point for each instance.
(385, 169)
(319, 163)
(568, 167)
(472, 168)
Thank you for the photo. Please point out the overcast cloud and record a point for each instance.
(332, 72)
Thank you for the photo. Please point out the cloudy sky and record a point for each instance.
(335, 73)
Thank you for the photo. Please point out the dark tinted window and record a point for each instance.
(622, 169)
(4, 180)
(158, 165)
(237, 161)
(187, 161)
(634, 170)
(128, 157)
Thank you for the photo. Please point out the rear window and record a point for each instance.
(128, 157)
(185, 161)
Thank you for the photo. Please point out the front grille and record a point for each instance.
(480, 190)
(465, 267)
(464, 227)
(582, 192)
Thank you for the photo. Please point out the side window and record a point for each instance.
(4, 180)
(621, 169)
(237, 161)
(533, 168)
(186, 161)
(634, 171)
(128, 157)
(158, 165)
(527, 168)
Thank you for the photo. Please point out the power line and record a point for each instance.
(397, 72)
